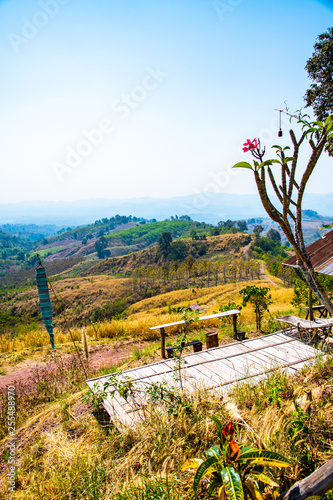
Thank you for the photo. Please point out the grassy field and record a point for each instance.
(65, 452)
(142, 315)
(66, 448)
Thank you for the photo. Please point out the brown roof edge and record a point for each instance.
(320, 252)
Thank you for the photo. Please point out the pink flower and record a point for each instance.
(248, 145)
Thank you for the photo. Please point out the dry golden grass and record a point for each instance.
(79, 297)
(153, 311)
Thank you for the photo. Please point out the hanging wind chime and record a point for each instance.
(280, 133)
(44, 300)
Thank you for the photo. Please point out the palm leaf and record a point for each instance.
(232, 483)
(264, 457)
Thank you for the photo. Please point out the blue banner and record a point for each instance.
(45, 302)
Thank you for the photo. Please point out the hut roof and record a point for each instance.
(195, 307)
(320, 253)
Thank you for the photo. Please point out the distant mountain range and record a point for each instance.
(207, 207)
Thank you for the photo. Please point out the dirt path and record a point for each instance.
(104, 356)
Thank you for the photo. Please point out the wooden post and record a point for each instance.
(162, 330)
(212, 340)
(310, 304)
(234, 325)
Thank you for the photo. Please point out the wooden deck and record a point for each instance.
(217, 369)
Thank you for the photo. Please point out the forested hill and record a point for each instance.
(13, 246)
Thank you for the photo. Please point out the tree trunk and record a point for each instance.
(296, 240)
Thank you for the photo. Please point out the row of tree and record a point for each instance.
(192, 273)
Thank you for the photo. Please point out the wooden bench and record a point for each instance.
(232, 312)
(196, 344)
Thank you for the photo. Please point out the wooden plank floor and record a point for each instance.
(218, 368)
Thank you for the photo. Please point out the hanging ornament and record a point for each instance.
(280, 133)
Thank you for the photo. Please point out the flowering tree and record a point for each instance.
(287, 212)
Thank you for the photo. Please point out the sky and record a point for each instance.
(142, 98)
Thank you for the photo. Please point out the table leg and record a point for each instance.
(162, 330)
(234, 325)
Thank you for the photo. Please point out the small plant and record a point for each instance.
(227, 320)
(260, 299)
(137, 354)
(95, 396)
(161, 392)
(188, 317)
(234, 471)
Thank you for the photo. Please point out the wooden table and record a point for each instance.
(232, 312)
(323, 312)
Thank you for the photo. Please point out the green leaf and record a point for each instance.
(192, 463)
(268, 162)
(214, 451)
(248, 448)
(216, 421)
(254, 492)
(318, 123)
(328, 120)
(264, 457)
(219, 428)
(286, 147)
(329, 127)
(326, 226)
(243, 164)
(215, 483)
(264, 479)
(288, 158)
(232, 483)
(277, 146)
(210, 465)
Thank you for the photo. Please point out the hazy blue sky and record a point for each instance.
(135, 98)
